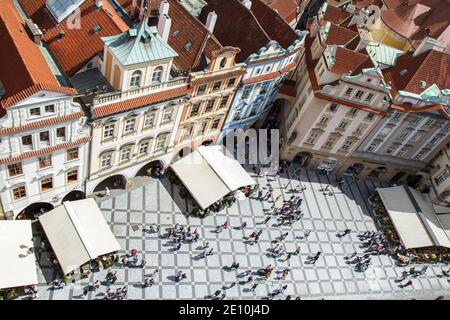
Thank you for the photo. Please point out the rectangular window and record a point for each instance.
(420, 155)
(391, 149)
(27, 140)
(44, 137)
(224, 102)
(348, 92)
(429, 123)
(167, 115)
(360, 129)
(441, 177)
(397, 115)
(312, 138)
(231, 82)
(106, 160)
(404, 135)
(330, 142)
(15, 169)
(194, 110)
(215, 124)
(201, 89)
(160, 142)
(35, 111)
(149, 121)
(61, 133)
(246, 92)
(108, 131)
(416, 137)
(47, 184)
(333, 107)
(417, 120)
(143, 147)
(72, 154)
(217, 85)
(130, 126)
(385, 131)
(50, 108)
(352, 112)
(45, 161)
(347, 145)
(370, 116)
(324, 121)
(434, 140)
(210, 106)
(72, 176)
(343, 125)
(187, 132)
(369, 97)
(401, 152)
(125, 154)
(19, 192)
(359, 94)
(202, 129)
(372, 147)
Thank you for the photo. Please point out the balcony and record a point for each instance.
(137, 92)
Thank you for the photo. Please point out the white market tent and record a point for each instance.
(418, 222)
(18, 266)
(78, 233)
(209, 174)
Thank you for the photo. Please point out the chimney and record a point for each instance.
(164, 24)
(61, 34)
(211, 21)
(34, 32)
(164, 8)
(426, 45)
(99, 3)
(247, 3)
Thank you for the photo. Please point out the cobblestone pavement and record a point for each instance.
(325, 215)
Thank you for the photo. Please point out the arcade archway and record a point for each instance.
(113, 182)
(74, 196)
(150, 169)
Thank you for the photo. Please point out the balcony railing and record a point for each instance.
(137, 92)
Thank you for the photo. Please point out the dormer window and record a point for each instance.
(223, 63)
(135, 81)
(157, 74)
(35, 111)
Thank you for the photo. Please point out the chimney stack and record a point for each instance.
(164, 8)
(99, 3)
(164, 24)
(426, 45)
(211, 21)
(34, 32)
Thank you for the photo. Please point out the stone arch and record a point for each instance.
(149, 169)
(303, 158)
(114, 182)
(355, 168)
(74, 195)
(34, 210)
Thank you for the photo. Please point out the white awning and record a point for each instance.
(18, 265)
(414, 218)
(209, 174)
(78, 233)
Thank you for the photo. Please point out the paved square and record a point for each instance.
(325, 215)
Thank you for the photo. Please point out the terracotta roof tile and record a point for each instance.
(250, 30)
(41, 123)
(287, 9)
(40, 152)
(8, 102)
(339, 35)
(78, 45)
(336, 15)
(432, 66)
(347, 60)
(419, 19)
(22, 65)
(130, 104)
(187, 29)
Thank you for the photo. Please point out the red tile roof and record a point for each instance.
(419, 19)
(287, 9)
(190, 30)
(339, 35)
(273, 24)
(250, 30)
(409, 108)
(23, 68)
(41, 123)
(40, 152)
(141, 101)
(288, 88)
(432, 66)
(311, 64)
(349, 61)
(8, 102)
(336, 15)
(78, 45)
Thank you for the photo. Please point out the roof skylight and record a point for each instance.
(61, 9)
